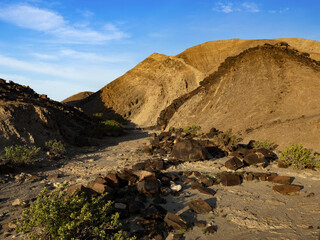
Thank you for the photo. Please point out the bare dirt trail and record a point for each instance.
(251, 210)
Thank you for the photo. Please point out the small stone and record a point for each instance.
(254, 159)
(234, 163)
(16, 202)
(99, 187)
(176, 187)
(146, 174)
(148, 186)
(187, 180)
(310, 195)
(200, 206)
(210, 229)
(207, 181)
(175, 221)
(12, 225)
(249, 177)
(287, 189)
(112, 180)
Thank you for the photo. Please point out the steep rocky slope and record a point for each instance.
(141, 93)
(74, 99)
(144, 91)
(265, 92)
(27, 117)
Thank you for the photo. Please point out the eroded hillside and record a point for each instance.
(266, 92)
(27, 117)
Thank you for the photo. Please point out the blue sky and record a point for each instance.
(60, 48)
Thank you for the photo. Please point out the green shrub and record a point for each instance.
(193, 129)
(97, 116)
(21, 154)
(227, 141)
(299, 157)
(172, 129)
(111, 125)
(56, 147)
(56, 215)
(264, 144)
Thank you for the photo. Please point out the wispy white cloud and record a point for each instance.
(87, 56)
(53, 23)
(250, 7)
(230, 7)
(45, 56)
(280, 11)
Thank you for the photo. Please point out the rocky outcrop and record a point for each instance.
(29, 118)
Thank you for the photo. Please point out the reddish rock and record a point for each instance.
(200, 206)
(254, 159)
(128, 177)
(241, 152)
(175, 177)
(310, 195)
(261, 176)
(207, 181)
(203, 189)
(112, 180)
(187, 180)
(280, 179)
(189, 150)
(287, 189)
(175, 221)
(228, 179)
(100, 180)
(249, 177)
(234, 163)
(78, 189)
(99, 187)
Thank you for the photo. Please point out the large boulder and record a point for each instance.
(189, 150)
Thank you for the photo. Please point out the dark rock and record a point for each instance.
(159, 200)
(261, 176)
(241, 152)
(189, 150)
(234, 163)
(154, 165)
(148, 186)
(175, 221)
(5, 167)
(282, 164)
(286, 189)
(267, 154)
(135, 207)
(177, 236)
(100, 180)
(175, 177)
(210, 229)
(139, 166)
(154, 212)
(127, 177)
(203, 189)
(254, 159)
(207, 181)
(228, 179)
(200, 206)
(213, 132)
(280, 179)
(112, 180)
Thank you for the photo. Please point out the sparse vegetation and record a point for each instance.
(21, 154)
(56, 147)
(227, 141)
(193, 129)
(264, 144)
(55, 215)
(112, 125)
(299, 157)
(172, 129)
(97, 115)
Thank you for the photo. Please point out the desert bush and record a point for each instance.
(193, 129)
(55, 147)
(264, 144)
(299, 157)
(227, 141)
(21, 154)
(97, 115)
(111, 125)
(56, 215)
